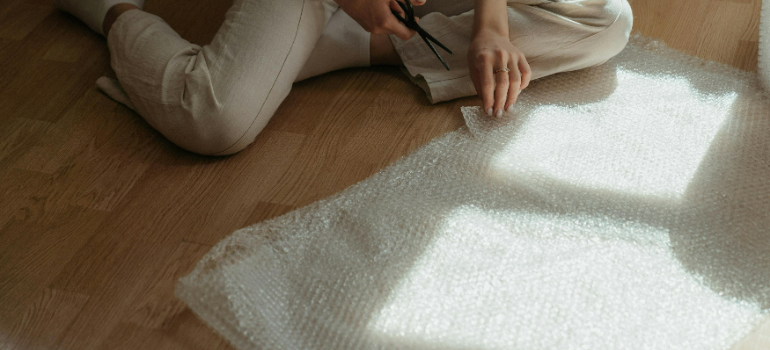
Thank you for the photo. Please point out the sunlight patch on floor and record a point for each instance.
(493, 278)
(647, 138)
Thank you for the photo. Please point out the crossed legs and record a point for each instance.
(380, 47)
(215, 99)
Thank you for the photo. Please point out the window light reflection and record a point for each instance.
(647, 138)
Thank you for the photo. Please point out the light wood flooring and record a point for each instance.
(100, 215)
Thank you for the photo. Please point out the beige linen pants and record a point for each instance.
(216, 99)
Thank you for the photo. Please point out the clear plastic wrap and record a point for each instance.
(764, 46)
(625, 206)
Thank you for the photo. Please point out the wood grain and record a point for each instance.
(101, 215)
(725, 31)
(34, 253)
(46, 320)
(156, 307)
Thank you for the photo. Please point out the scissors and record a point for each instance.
(411, 23)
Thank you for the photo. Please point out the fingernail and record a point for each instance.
(510, 108)
(499, 113)
(489, 112)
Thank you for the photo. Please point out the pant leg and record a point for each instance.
(215, 99)
(343, 44)
(554, 35)
(448, 8)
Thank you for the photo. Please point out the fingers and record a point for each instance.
(499, 91)
(487, 85)
(393, 4)
(391, 25)
(502, 84)
(526, 73)
(476, 82)
(399, 30)
(499, 72)
(515, 78)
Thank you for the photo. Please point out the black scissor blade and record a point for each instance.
(427, 36)
(435, 52)
(409, 15)
(401, 19)
(410, 10)
(411, 23)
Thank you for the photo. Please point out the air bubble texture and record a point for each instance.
(625, 206)
(764, 46)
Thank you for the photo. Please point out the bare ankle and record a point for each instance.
(114, 13)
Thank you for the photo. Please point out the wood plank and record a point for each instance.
(187, 333)
(189, 23)
(6, 7)
(746, 54)
(719, 38)
(231, 197)
(106, 148)
(73, 42)
(398, 123)
(33, 254)
(84, 124)
(46, 319)
(301, 112)
(17, 137)
(22, 19)
(116, 162)
(340, 116)
(30, 197)
(99, 174)
(157, 307)
(706, 28)
(265, 211)
(136, 241)
(26, 97)
(35, 88)
(100, 214)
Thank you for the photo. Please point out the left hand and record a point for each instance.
(488, 52)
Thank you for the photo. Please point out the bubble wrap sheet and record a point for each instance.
(764, 46)
(619, 207)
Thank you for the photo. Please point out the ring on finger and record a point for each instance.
(502, 70)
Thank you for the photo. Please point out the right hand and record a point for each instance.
(375, 16)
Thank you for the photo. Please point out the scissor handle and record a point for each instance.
(411, 23)
(401, 19)
(407, 7)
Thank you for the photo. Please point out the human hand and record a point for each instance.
(375, 16)
(488, 52)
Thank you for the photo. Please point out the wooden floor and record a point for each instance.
(100, 215)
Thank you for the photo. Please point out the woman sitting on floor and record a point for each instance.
(215, 99)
